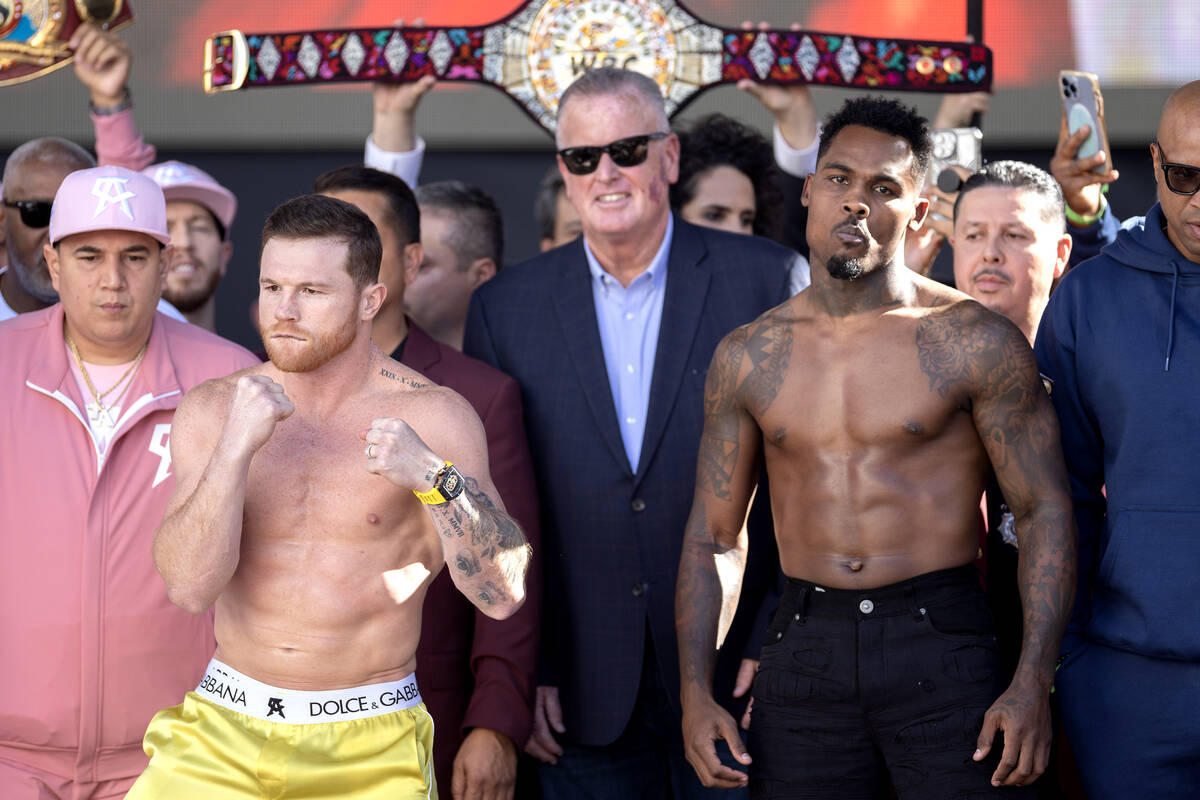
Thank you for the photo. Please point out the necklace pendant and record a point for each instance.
(100, 415)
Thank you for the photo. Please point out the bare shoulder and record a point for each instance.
(749, 365)
(417, 398)
(961, 344)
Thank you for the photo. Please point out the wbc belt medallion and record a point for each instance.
(535, 53)
(34, 33)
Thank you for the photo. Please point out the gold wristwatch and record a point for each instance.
(447, 485)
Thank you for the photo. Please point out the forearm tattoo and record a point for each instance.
(970, 353)
(490, 551)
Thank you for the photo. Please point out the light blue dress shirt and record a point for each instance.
(629, 319)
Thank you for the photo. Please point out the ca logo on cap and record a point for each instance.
(171, 174)
(112, 191)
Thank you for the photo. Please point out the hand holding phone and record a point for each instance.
(1082, 163)
(1084, 105)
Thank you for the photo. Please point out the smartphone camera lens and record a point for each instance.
(948, 181)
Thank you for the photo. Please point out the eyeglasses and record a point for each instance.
(1181, 178)
(34, 213)
(627, 152)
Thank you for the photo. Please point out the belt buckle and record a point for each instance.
(241, 61)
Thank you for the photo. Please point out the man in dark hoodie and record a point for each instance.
(1120, 341)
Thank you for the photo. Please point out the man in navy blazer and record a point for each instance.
(610, 339)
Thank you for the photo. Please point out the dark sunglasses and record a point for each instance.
(1181, 178)
(627, 152)
(34, 213)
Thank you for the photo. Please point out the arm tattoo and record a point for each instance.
(704, 602)
(467, 563)
(491, 555)
(971, 352)
(767, 345)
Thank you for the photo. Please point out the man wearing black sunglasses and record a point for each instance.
(610, 338)
(32, 174)
(1120, 340)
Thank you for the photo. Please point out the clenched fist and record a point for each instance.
(102, 64)
(257, 405)
(395, 451)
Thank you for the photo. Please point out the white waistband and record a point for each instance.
(229, 688)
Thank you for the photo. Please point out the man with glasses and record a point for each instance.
(34, 171)
(1120, 342)
(610, 338)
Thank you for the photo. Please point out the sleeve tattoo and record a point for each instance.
(490, 553)
(971, 351)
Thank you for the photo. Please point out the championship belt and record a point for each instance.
(34, 33)
(537, 51)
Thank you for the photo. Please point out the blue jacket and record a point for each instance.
(611, 538)
(1120, 340)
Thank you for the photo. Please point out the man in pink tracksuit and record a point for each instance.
(90, 647)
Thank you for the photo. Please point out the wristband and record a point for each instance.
(447, 485)
(125, 104)
(1081, 221)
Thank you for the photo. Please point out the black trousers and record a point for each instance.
(859, 687)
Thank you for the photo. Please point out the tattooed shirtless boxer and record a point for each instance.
(298, 511)
(880, 400)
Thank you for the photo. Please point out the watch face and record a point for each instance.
(452, 483)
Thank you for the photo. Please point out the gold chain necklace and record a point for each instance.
(97, 396)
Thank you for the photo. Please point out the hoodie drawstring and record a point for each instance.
(1171, 321)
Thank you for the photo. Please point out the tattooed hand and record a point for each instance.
(1023, 713)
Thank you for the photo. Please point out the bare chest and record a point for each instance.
(313, 474)
(874, 389)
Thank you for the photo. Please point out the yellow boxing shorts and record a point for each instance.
(234, 737)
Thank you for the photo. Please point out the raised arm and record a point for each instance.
(714, 546)
(196, 548)
(484, 548)
(1019, 429)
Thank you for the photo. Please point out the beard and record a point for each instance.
(190, 298)
(844, 268)
(36, 281)
(320, 350)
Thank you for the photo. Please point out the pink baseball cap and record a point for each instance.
(108, 199)
(181, 181)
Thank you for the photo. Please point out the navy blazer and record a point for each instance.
(611, 538)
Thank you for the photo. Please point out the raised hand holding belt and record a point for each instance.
(537, 51)
(34, 33)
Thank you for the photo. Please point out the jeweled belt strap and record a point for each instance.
(536, 52)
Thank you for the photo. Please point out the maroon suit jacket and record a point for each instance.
(474, 671)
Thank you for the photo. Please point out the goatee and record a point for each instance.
(844, 269)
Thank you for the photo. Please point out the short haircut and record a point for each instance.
(51, 151)
(478, 229)
(607, 81)
(402, 205)
(720, 141)
(886, 116)
(314, 216)
(545, 206)
(1020, 175)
